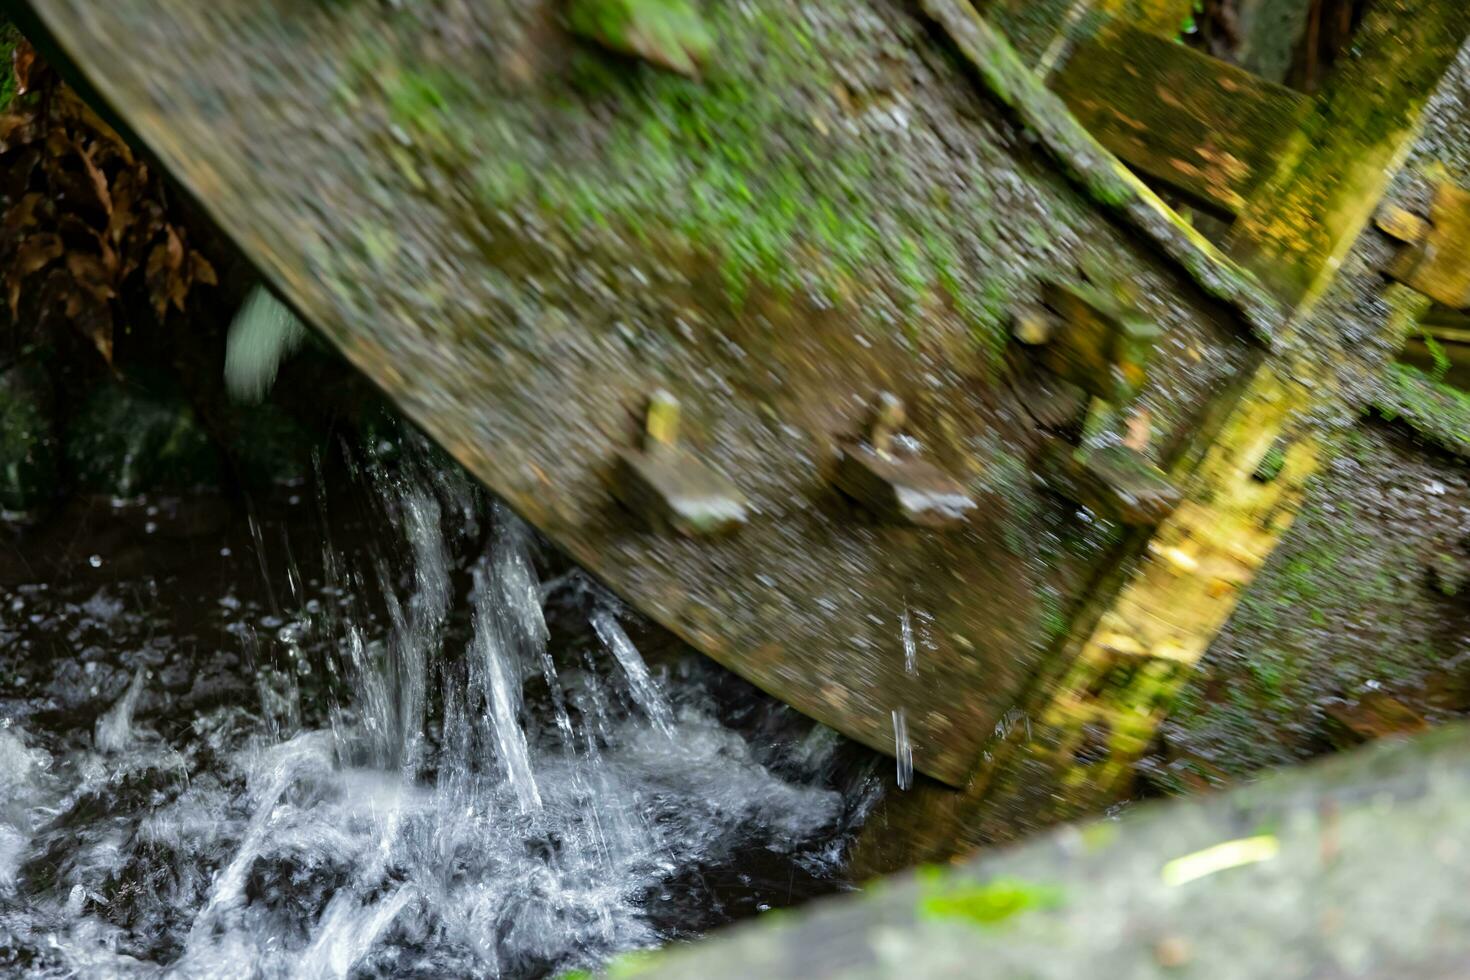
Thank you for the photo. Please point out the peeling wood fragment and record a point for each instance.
(1373, 716)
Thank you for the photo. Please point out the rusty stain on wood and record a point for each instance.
(1196, 123)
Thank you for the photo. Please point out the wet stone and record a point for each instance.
(1375, 715)
(271, 447)
(28, 464)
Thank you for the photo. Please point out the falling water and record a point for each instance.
(642, 686)
(430, 784)
(903, 750)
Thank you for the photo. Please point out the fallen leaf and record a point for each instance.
(1221, 857)
(22, 60)
(37, 252)
(99, 181)
(201, 271)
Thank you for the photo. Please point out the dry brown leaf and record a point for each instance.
(75, 191)
(200, 271)
(91, 275)
(99, 180)
(22, 214)
(175, 250)
(36, 252)
(22, 60)
(16, 129)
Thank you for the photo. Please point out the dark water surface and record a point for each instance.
(373, 730)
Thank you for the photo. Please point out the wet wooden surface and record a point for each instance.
(1203, 126)
(520, 238)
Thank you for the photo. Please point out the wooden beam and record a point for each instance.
(1087, 162)
(1304, 217)
(1200, 125)
(1161, 18)
(1039, 28)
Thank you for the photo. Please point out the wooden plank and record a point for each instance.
(1306, 215)
(1196, 123)
(1161, 18)
(1040, 28)
(1103, 175)
(520, 238)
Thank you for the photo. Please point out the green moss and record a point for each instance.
(28, 463)
(667, 32)
(127, 439)
(768, 178)
(1437, 411)
(1271, 464)
(986, 904)
(9, 38)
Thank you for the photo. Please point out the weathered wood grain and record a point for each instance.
(1194, 122)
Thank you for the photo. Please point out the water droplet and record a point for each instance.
(95, 561)
(910, 648)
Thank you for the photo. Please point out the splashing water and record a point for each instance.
(419, 792)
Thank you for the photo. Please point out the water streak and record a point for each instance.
(903, 749)
(645, 692)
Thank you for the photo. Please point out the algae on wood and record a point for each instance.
(1330, 174)
(1179, 116)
